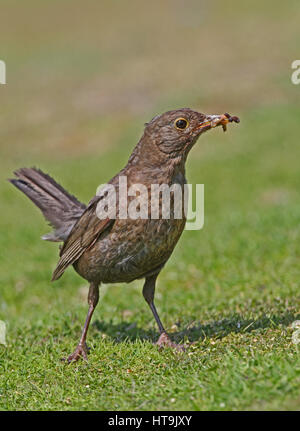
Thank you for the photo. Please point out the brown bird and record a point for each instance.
(117, 249)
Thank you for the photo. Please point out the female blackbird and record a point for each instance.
(122, 249)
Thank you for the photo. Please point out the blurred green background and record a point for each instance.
(82, 79)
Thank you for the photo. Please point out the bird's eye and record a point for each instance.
(181, 123)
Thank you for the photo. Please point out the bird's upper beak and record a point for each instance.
(212, 121)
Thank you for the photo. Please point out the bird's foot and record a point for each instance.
(165, 341)
(80, 352)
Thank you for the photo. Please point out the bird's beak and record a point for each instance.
(212, 121)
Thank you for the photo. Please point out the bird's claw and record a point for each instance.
(165, 341)
(80, 352)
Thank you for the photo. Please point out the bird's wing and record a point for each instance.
(83, 235)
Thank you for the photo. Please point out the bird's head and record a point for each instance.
(175, 132)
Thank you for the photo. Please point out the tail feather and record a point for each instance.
(58, 206)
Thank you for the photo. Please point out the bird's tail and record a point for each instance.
(59, 207)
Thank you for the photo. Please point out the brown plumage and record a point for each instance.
(114, 250)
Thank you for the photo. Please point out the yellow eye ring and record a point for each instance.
(181, 123)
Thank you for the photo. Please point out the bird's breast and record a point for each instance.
(136, 246)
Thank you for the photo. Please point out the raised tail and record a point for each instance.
(58, 206)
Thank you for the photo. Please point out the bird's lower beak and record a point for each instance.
(212, 121)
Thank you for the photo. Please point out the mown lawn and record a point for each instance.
(230, 289)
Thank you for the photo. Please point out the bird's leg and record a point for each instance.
(148, 292)
(82, 349)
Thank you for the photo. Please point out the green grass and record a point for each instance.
(231, 290)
